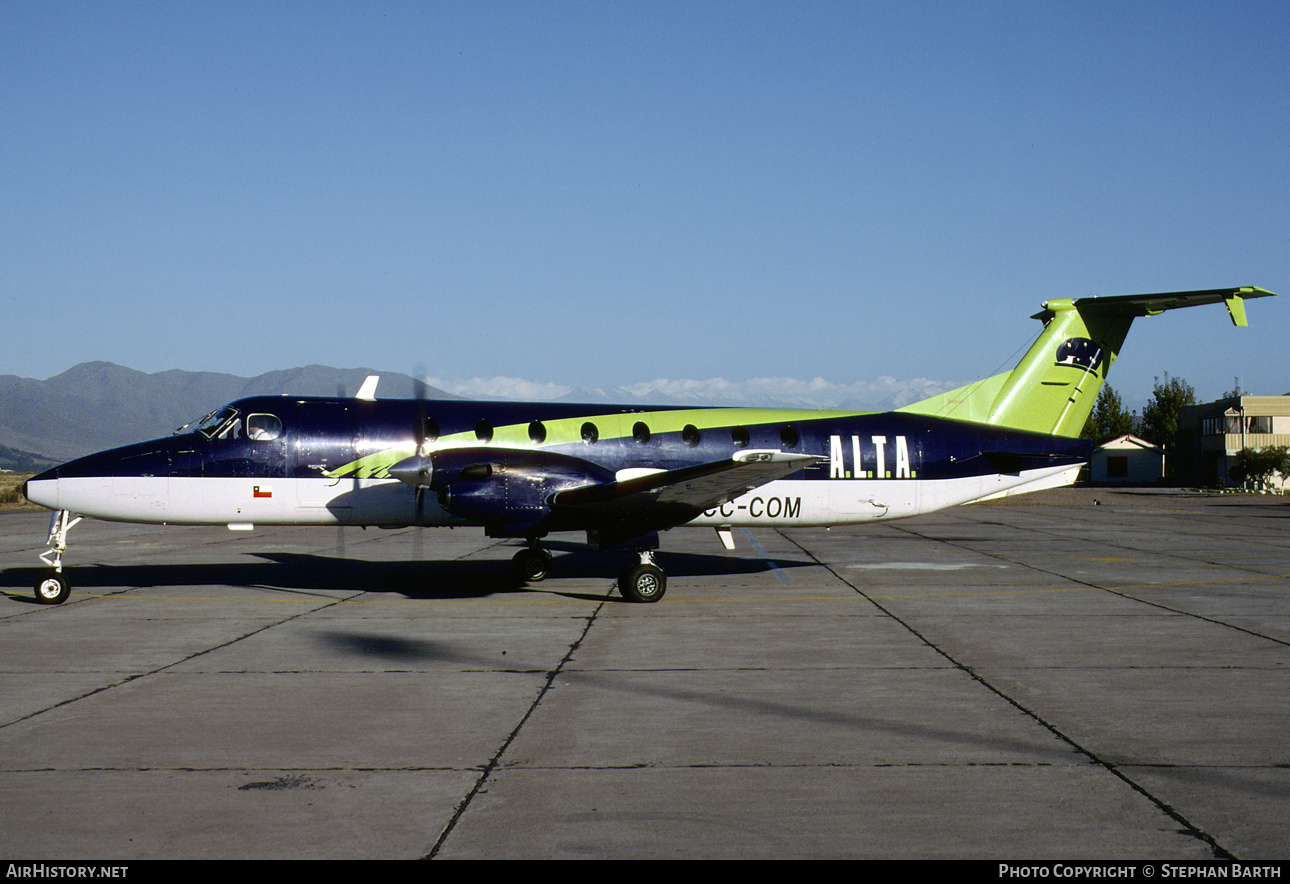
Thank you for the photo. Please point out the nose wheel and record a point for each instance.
(52, 589)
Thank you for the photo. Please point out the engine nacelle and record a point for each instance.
(507, 490)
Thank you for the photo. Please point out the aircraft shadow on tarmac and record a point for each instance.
(413, 578)
(858, 715)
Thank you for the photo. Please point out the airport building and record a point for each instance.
(1210, 436)
(1127, 460)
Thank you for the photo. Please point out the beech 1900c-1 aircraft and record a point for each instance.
(620, 474)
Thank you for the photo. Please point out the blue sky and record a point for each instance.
(607, 193)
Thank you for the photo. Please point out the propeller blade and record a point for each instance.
(423, 466)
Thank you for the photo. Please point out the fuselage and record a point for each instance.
(313, 461)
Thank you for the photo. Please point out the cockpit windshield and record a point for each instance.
(223, 423)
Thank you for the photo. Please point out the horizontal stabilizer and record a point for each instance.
(1151, 305)
(1053, 388)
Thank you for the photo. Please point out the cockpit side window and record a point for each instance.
(263, 427)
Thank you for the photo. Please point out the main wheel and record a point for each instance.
(52, 589)
(531, 565)
(643, 583)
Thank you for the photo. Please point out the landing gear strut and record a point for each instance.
(52, 588)
(645, 582)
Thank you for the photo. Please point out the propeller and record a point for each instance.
(423, 465)
(340, 528)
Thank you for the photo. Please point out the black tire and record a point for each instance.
(52, 589)
(531, 565)
(643, 583)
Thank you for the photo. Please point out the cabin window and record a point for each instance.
(263, 427)
(788, 436)
(589, 433)
(640, 432)
(484, 431)
(537, 432)
(739, 436)
(691, 435)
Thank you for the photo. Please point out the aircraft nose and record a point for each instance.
(42, 490)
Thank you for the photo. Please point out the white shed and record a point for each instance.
(1127, 460)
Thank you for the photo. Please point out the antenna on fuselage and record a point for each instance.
(367, 392)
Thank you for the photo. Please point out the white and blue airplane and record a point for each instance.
(619, 474)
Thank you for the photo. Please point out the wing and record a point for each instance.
(525, 493)
(669, 498)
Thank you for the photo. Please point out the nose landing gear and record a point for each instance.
(52, 588)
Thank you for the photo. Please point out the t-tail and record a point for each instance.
(1053, 389)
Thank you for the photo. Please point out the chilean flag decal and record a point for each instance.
(262, 491)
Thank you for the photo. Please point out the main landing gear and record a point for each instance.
(52, 588)
(531, 564)
(645, 582)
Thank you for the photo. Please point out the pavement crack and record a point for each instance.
(1187, 826)
(493, 762)
(159, 669)
(1120, 591)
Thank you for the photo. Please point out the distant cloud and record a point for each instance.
(500, 388)
(884, 393)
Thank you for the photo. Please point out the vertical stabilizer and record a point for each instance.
(1053, 389)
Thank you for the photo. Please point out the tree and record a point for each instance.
(1160, 416)
(1108, 420)
(1259, 465)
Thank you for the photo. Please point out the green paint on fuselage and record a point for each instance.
(611, 426)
